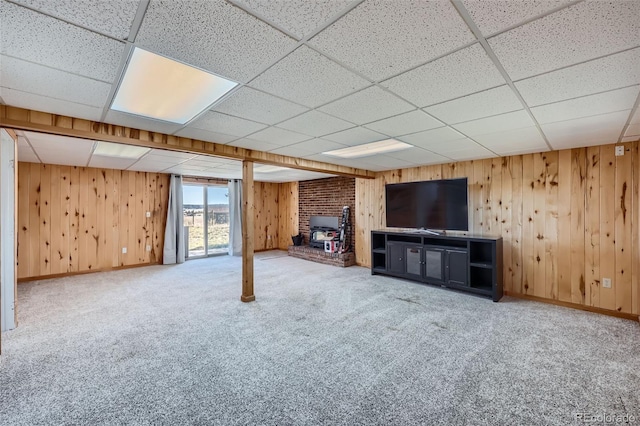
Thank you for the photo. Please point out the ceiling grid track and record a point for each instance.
(483, 41)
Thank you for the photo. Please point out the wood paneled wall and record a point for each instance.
(265, 224)
(287, 213)
(77, 219)
(568, 219)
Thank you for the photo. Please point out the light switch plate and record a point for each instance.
(619, 150)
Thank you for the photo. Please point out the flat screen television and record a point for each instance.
(433, 204)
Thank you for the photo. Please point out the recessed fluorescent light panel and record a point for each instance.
(380, 147)
(163, 89)
(117, 150)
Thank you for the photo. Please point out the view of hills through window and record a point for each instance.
(206, 230)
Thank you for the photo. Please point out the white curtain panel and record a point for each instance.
(174, 232)
(235, 217)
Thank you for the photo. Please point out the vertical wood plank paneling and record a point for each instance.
(131, 255)
(635, 224)
(551, 226)
(623, 231)
(539, 219)
(506, 204)
(66, 216)
(83, 232)
(607, 225)
(106, 251)
(287, 213)
(115, 228)
(74, 220)
(495, 195)
(24, 225)
(578, 177)
(137, 199)
(34, 219)
(91, 219)
(56, 222)
(528, 231)
(45, 220)
(103, 258)
(476, 189)
(565, 161)
(516, 223)
(592, 228)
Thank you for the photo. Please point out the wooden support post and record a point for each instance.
(248, 215)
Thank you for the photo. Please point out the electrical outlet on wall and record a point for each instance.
(124, 250)
(148, 214)
(619, 150)
(148, 247)
(606, 282)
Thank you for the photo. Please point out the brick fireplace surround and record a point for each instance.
(325, 197)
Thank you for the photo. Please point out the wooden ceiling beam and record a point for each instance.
(30, 120)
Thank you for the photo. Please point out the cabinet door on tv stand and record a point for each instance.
(395, 257)
(457, 267)
(434, 264)
(413, 261)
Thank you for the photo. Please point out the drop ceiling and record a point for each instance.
(458, 80)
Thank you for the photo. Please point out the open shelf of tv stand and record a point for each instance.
(461, 262)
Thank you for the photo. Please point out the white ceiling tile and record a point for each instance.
(213, 35)
(633, 130)
(624, 139)
(432, 138)
(62, 150)
(113, 17)
(418, 156)
(602, 103)
(166, 155)
(578, 33)
(293, 151)
(467, 71)
(138, 122)
(497, 15)
(226, 124)
(355, 136)
(410, 122)
(25, 153)
(257, 106)
(497, 123)
(318, 145)
(50, 105)
(384, 38)
(636, 117)
(149, 168)
(515, 141)
(45, 40)
(28, 77)
(254, 144)
(280, 137)
(299, 17)
(315, 123)
(309, 78)
(110, 162)
(368, 105)
(205, 135)
(479, 105)
(595, 130)
(474, 152)
(455, 147)
(388, 162)
(611, 72)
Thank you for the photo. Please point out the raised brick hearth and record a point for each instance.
(320, 256)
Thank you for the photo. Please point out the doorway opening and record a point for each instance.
(206, 220)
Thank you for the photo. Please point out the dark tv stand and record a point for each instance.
(467, 263)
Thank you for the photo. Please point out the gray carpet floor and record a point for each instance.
(321, 345)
